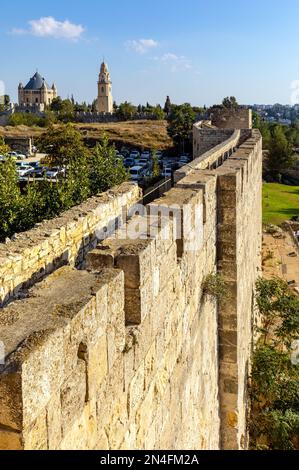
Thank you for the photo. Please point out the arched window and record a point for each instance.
(103, 89)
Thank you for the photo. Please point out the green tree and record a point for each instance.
(280, 155)
(50, 118)
(94, 106)
(167, 106)
(106, 170)
(275, 379)
(78, 184)
(64, 109)
(26, 119)
(126, 111)
(62, 145)
(81, 107)
(156, 167)
(10, 199)
(158, 113)
(292, 134)
(86, 174)
(230, 102)
(32, 208)
(56, 104)
(180, 123)
(3, 147)
(280, 311)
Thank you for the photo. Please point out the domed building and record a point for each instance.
(37, 94)
(105, 100)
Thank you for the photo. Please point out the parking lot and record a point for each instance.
(141, 166)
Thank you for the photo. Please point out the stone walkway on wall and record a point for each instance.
(281, 258)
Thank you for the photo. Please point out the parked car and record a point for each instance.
(129, 162)
(184, 159)
(24, 170)
(167, 172)
(143, 162)
(146, 155)
(118, 154)
(135, 154)
(39, 171)
(136, 173)
(23, 164)
(173, 164)
(35, 164)
(55, 172)
(17, 155)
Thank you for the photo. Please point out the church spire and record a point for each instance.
(105, 100)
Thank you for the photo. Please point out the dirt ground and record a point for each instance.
(281, 258)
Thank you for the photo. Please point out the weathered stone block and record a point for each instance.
(73, 397)
(36, 435)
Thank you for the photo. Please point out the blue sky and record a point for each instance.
(193, 50)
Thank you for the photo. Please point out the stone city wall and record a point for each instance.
(123, 355)
(239, 261)
(225, 143)
(205, 140)
(130, 352)
(240, 118)
(64, 240)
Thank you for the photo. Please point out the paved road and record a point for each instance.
(282, 264)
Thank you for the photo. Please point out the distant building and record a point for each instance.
(105, 100)
(36, 95)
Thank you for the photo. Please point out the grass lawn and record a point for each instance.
(280, 203)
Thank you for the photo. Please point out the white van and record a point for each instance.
(136, 173)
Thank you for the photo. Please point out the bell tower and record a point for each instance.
(105, 100)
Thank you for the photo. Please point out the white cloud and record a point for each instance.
(175, 62)
(50, 27)
(142, 45)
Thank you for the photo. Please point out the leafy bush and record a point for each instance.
(106, 170)
(215, 286)
(275, 379)
(3, 147)
(18, 119)
(87, 175)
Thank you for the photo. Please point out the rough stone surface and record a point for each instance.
(64, 240)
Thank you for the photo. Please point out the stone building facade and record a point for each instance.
(105, 99)
(36, 95)
(119, 346)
